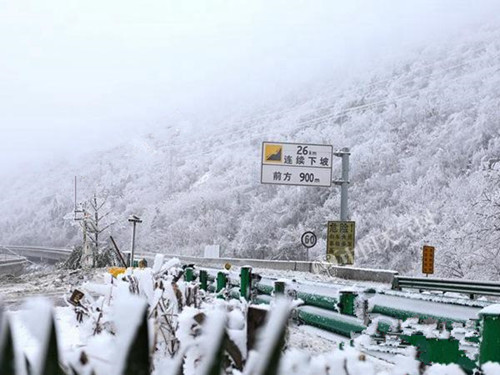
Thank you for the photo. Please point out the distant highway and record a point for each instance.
(39, 253)
(54, 255)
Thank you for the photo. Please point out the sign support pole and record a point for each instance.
(344, 183)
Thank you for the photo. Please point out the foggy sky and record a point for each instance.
(79, 75)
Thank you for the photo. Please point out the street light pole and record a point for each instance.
(134, 220)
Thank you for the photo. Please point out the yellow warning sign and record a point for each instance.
(428, 260)
(340, 242)
(273, 153)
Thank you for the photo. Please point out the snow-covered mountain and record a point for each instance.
(425, 139)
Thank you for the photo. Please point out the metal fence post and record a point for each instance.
(245, 282)
(203, 280)
(279, 288)
(188, 274)
(347, 303)
(221, 281)
(490, 337)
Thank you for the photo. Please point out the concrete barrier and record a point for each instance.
(353, 273)
(346, 272)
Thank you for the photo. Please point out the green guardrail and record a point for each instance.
(337, 314)
(330, 321)
(442, 351)
(325, 302)
(402, 314)
(490, 336)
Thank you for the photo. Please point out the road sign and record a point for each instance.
(296, 164)
(428, 260)
(309, 239)
(340, 242)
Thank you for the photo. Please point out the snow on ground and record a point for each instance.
(46, 281)
(310, 342)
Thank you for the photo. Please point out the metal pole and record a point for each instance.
(203, 280)
(96, 218)
(188, 274)
(490, 337)
(245, 282)
(344, 210)
(279, 288)
(75, 197)
(133, 246)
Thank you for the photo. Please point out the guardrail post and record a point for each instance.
(395, 283)
(221, 281)
(490, 337)
(204, 280)
(188, 274)
(347, 303)
(245, 282)
(279, 288)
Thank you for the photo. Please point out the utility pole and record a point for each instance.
(96, 223)
(344, 183)
(134, 220)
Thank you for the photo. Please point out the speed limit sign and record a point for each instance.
(308, 239)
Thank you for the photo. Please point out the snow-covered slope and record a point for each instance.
(424, 135)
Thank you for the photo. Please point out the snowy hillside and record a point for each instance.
(424, 135)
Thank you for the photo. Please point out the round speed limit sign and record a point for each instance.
(308, 239)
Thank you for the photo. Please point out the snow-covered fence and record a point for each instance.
(347, 313)
(153, 322)
(209, 349)
(359, 301)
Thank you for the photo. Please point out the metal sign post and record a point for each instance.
(341, 234)
(344, 183)
(308, 240)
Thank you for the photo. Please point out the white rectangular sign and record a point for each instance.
(296, 164)
(212, 251)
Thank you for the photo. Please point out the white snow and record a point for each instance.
(491, 368)
(310, 351)
(491, 310)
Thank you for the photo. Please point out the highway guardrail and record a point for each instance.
(469, 287)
